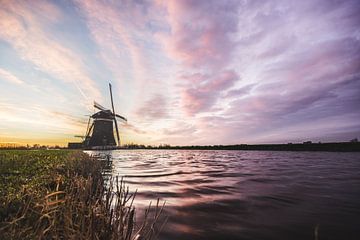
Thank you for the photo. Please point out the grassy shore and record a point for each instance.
(61, 194)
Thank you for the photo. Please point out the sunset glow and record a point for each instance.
(183, 72)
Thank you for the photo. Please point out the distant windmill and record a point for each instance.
(100, 133)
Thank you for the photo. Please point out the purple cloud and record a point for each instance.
(201, 96)
(303, 58)
(239, 92)
(153, 108)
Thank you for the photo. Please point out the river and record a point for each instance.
(246, 194)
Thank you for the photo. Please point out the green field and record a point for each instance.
(34, 171)
(61, 194)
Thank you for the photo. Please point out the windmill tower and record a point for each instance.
(100, 134)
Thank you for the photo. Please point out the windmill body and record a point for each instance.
(102, 130)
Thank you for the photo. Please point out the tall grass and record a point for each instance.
(68, 198)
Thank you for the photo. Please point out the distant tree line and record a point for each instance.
(28, 146)
(352, 146)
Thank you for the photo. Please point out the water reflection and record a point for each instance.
(106, 158)
(246, 194)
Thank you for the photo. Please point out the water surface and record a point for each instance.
(247, 194)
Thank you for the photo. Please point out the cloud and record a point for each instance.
(201, 31)
(125, 43)
(206, 91)
(8, 76)
(134, 129)
(298, 66)
(201, 39)
(153, 108)
(23, 29)
(255, 116)
(240, 92)
(109, 28)
(41, 120)
(181, 129)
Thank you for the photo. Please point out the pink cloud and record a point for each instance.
(201, 31)
(201, 39)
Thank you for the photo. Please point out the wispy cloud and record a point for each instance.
(23, 24)
(119, 30)
(8, 76)
(33, 120)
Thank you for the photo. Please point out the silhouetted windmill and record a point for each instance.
(100, 133)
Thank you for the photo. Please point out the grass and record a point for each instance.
(62, 194)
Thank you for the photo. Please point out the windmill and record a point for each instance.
(100, 133)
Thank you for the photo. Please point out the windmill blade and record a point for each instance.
(91, 127)
(113, 111)
(117, 131)
(79, 136)
(87, 128)
(98, 106)
(121, 117)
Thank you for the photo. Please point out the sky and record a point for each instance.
(184, 72)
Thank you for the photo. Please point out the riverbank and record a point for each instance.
(61, 194)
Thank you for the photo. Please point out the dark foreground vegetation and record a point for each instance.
(61, 194)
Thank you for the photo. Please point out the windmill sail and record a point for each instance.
(113, 111)
(98, 106)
